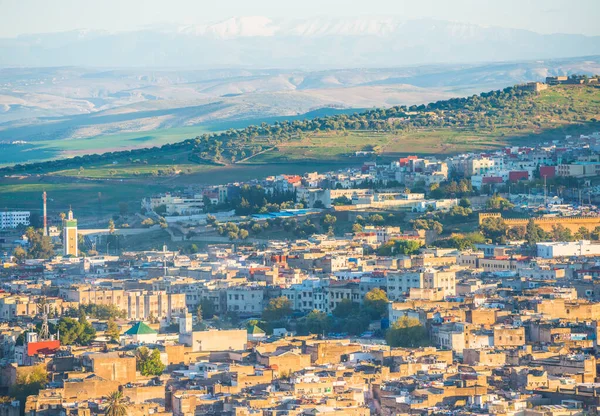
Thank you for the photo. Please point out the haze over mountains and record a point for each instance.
(261, 42)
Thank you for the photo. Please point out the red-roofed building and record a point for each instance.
(518, 175)
(491, 179)
(406, 160)
(43, 347)
(547, 171)
(27, 353)
(293, 179)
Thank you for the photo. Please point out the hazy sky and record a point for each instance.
(544, 16)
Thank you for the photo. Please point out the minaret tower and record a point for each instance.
(70, 235)
(45, 215)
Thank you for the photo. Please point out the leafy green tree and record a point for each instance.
(533, 233)
(40, 246)
(464, 203)
(376, 219)
(357, 228)
(102, 312)
(561, 233)
(340, 201)
(116, 404)
(595, 235)
(466, 241)
(458, 212)
(494, 228)
(427, 224)
(20, 253)
(199, 313)
(346, 308)
(582, 234)
(316, 322)
(149, 363)
(404, 247)
(277, 309)
(376, 303)
(112, 330)
(29, 384)
(148, 222)
(73, 331)
(355, 324)
(328, 220)
(407, 332)
(208, 308)
(111, 226)
(496, 202)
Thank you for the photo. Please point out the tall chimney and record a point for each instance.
(45, 218)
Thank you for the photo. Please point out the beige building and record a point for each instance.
(214, 340)
(137, 304)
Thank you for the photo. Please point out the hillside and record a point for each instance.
(486, 121)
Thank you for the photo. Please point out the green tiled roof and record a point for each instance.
(70, 223)
(140, 329)
(255, 330)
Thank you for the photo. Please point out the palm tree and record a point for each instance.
(41, 305)
(116, 404)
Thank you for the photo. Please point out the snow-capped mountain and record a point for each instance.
(261, 42)
(261, 26)
(235, 27)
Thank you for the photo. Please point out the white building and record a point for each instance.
(12, 219)
(307, 296)
(400, 284)
(567, 249)
(177, 205)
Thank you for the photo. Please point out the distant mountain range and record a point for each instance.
(261, 42)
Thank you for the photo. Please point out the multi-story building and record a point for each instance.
(245, 300)
(341, 290)
(399, 285)
(307, 296)
(12, 219)
(137, 304)
(480, 166)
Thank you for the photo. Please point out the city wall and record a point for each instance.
(546, 223)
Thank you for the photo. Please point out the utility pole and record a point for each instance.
(44, 197)
(545, 192)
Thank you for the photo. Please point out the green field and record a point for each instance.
(342, 146)
(40, 147)
(59, 148)
(96, 193)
